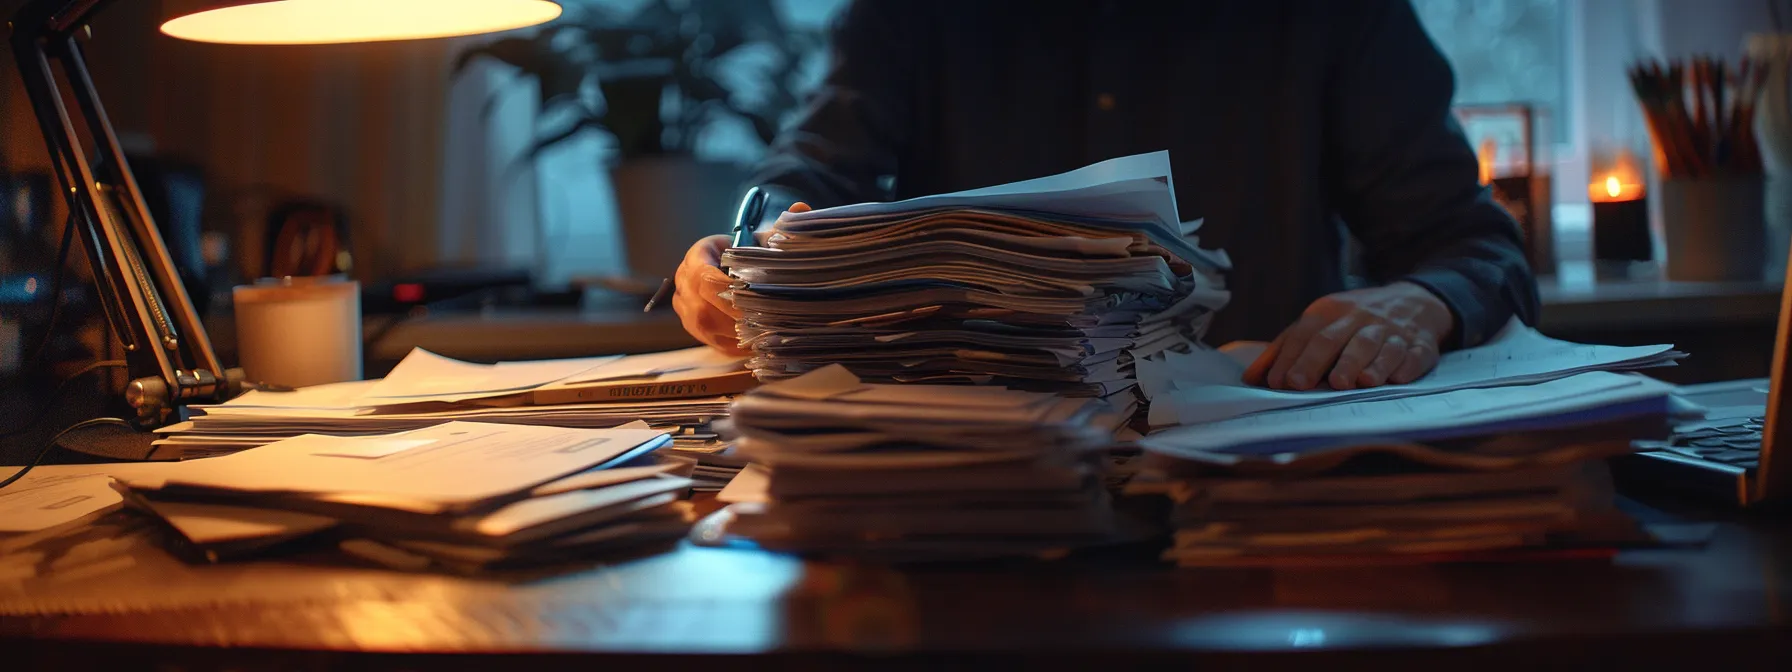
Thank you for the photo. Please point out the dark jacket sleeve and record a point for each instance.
(1405, 178)
(850, 132)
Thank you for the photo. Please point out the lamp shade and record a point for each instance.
(342, 21)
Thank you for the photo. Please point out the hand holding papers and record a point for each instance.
(1587, 398)
(1053, 285)
(1518, 355)
(1496, 451)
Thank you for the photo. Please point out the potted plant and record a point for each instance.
(653, 84)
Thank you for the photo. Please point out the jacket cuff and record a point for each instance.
(1467, 308)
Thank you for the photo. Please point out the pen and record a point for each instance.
(746, 221)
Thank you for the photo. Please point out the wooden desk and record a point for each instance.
(1728, 603)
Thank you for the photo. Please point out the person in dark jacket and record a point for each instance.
(1288, 122)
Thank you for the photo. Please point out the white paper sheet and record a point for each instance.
(205, 524)
(465, 462)
(427, 374)
(657, 364)
(1114, 184)
(47, 499)
(1408, 416)
(1519, 355)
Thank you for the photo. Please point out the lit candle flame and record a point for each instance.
(1484, 157)
(1613, 187)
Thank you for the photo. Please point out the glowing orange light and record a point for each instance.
(1485, 156)
(1622, 181)
(342, 21)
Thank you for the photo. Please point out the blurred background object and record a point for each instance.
(653, 83)
(1772, 53)
(1700, 113)
(470, 215)
(1508, 139)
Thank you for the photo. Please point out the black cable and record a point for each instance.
(41, 452)
(62, 252)
(61, 388)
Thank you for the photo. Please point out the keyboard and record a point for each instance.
(1736, 444)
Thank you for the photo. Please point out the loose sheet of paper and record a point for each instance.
(427, 374)
(1476, 408)
(657, 364)
(464, 462)
(1518, 355)
(1114, 176)
(206, 524)
(42, 501)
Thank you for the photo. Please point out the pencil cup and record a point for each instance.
(1714, 228)
(299, 331)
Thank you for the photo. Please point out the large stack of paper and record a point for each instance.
(461, 495)
(678, 392)
(1055, 285)
(1497, 451)
(918, 471)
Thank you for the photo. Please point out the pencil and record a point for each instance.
(664, 291)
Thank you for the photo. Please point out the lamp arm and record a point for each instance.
(170, 357)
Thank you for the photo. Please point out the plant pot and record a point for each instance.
(667, 203)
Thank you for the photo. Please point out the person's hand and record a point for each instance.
(1356, 339)
(699, 284)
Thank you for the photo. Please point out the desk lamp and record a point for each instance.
(167, 352)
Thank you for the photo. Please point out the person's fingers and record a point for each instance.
(1420, 359)
(719, 325)
(1358, 352)
(713, 282)
(688, 310)
(1386, 362)
(699, 261)
(718, 331)
(764, 234)
(1258, 372)
(1293, 342)
(704, 323)
(707, 251)
(1320, 352)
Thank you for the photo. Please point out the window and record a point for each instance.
(1505, 51)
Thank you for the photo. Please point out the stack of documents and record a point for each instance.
(1392, 504)
(678, 392)
(918, 471)
(1052, 285)
(461, 495)
(1418, 477)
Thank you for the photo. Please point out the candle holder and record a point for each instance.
(1505, 140)
(1621, 235)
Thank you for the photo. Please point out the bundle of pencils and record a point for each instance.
(1701, 115)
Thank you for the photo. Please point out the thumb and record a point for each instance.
(800, 206)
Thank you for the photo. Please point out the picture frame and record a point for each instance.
(1504, 139)
(1512, 129)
